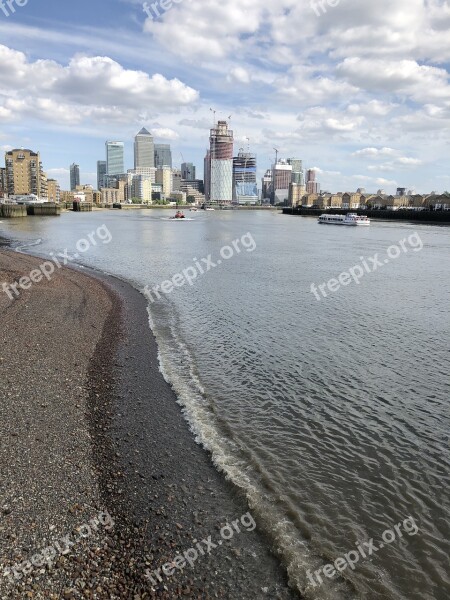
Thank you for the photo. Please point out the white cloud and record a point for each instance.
(374, 152)
(88, 88)
(165, 133)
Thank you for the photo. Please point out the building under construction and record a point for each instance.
(220, 175)
(245, 189)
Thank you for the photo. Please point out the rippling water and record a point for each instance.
(333, 414)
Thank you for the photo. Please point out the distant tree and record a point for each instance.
(190, 199)
(136, 201)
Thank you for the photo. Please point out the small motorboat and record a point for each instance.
(178, 215)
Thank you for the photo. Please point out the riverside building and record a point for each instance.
(24, 173)
(220, 172)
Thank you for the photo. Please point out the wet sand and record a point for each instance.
(89, 425)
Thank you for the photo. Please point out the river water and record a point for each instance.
(331, 412)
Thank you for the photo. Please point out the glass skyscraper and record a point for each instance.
(114, 158)
(101, 172)
(188, 171)
(74, 176)
(163, 156)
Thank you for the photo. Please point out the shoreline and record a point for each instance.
(160, 487)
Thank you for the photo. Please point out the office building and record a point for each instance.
(115, 158)
(245, 188)
(163, 156)
(281, 180)
(101, 174)
(24, 174)
(188, 171)
(298, 175)
(147, 171)
(74, 176)
(176, 180)
(144, 150)
(221, 164)
(266, 191)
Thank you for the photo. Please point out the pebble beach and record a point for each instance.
(98, 463)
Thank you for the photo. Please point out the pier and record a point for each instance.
(12, 211)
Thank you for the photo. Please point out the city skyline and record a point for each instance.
(372, 114)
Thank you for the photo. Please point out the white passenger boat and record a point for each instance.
(349, 219)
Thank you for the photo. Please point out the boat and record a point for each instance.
(193, 210)
(209, 208)
(178, 215)
(351, 219)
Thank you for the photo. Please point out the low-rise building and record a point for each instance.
(110, 196)
(296, 193)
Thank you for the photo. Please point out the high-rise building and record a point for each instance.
(147, 171)
(164, 178)
(24, 174)
(245, 189)
(312, 186)
(266, 192)
(163, 156)
(207, 174)
(144, 150)
(74, 176)
(188, 171)
(101, 173)
(115, 158)
(221, 169)
(140, 187)
(176, 180)
(53, 190)
(298, 175)
(281, 179)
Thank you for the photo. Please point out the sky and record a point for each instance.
(358, 89)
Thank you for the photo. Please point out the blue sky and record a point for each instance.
(359, 91)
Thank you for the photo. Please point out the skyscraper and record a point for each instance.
(164, 178)
(312, 186)
(114, 158)
(101, 172)
(163, 156)
(187, 171)
(221, 156)
(245, 189)
(144, 150)
(282, 178)
(74, 176)
(298, 175)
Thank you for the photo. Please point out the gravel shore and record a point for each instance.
(92, 435)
